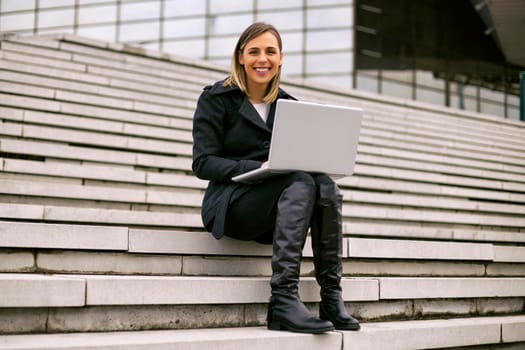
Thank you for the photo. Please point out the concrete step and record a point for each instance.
(413, 181)
(404, 152)
(158, 145)
(192, 106)
(192, 253)
(71, 103)
(239, 338)
(20, 73)
(401, 335)
(454, 121)
(103, 140)
(75, 56)
(190, 217)
(183, 197)
(406, 149)
(130, 129)
(54, 168)
(439, 131)
(105, 71)
(398, 214)
(144, 317)
(155, 242)
(18, 290)
(91, 174)
(437, 333)
(240, 264)
(85, 237)
(103, 156)
(50, 93)
(153, 61)
(19, 78)
(409, 112)
(61, 236)
(478, 170)
(176, 129)
(438, 232)
(172, 197)
(129, 137)
(501, 171)
(126, 156)
(422, 201)
(98, 290)
(114, 119)
(112, 290)
(236, 263)
(110, 302)
(93, 48)
(177, 219)
(424, 142)
(99, 49)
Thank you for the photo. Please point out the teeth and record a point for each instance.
(262, 69)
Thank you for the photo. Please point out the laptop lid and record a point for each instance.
(315, 137)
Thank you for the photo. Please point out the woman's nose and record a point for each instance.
(262, 58)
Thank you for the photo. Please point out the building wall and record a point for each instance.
(435, 51)
(318, 37)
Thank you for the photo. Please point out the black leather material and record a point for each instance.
(326, 232)
(286, 311)
(335, 312)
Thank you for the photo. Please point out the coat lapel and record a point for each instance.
(248, 111)
(271, 116)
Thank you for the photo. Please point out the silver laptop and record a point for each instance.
(311, 137)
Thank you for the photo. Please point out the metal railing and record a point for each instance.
(522, 96)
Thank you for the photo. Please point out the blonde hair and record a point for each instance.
(238, 74)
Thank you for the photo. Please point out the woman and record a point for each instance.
(232, 129)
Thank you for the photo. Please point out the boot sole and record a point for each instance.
(355, 327)
(351, 328)
(278, 326)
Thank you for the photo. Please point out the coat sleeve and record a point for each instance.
(209, 162)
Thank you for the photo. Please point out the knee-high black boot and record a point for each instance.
(327, 236)
(286, 311)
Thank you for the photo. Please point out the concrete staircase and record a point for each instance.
(102, 247)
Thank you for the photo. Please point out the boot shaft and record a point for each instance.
(327, 240)
(294, 211)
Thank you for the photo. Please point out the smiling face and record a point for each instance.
(261, 59)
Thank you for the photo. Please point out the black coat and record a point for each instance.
(229, 138)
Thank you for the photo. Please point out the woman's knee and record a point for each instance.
(301, 185)
(327, 190)
(302, 177)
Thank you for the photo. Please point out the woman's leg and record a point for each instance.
(251, 217)
(283, 206)
(327, 236)
(294, 209)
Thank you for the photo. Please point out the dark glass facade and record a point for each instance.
(435, 51)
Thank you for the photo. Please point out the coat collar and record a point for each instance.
(246, 109)
(219, 88)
